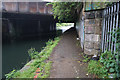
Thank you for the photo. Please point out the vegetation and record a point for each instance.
(86, 58)
(39, 61)
(104, 67)
(96, 68)
(65, 11)
(116, 35)
(109, 62)
(33, 53)
(63, 24)
(68, 11)
(108, 65)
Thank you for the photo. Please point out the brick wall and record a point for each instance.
(93, 30)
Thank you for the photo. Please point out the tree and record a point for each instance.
(68, 11)
(65, 11)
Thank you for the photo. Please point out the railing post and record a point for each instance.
(103, 31)
(113, 26)
(117, 5)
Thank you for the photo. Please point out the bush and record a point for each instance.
(109, 62)
(96, 68)
(106, 67)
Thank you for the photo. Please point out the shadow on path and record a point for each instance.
(67, 56)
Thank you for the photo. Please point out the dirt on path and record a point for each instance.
(67, 58)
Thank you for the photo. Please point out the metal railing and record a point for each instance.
(110, 25)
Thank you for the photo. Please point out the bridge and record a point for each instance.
(27, 7)
(24, 19)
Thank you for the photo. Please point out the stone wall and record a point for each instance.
(80, 28)
(93, 30)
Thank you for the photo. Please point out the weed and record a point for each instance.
(9, 75)
(78, 43)
(33, 53)
(86, 58)
(96, 68)
(109, 62)
(105, 67)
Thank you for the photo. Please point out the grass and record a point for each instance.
(86, 58)
(63, 24)
(96, 68)
(39, 61)
(105, 67)
(60, 25)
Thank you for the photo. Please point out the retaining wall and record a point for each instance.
(89, 28)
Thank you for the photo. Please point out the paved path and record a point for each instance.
(67, 58)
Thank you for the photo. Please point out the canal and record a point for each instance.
(15, 53)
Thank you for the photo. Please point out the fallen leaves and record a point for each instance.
(78, 61)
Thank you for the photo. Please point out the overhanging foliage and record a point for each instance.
(66, 11)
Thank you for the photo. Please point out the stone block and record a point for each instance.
(98, 22)
(89, 45)
(96, 38)
(90, 15)
(91, 51)
(98, 30)
(89, 37)
(90, 22)
(98, 14)
(97, 52)
(97, 45)
(89, 29)
(100, 37)
(92, 37)
(93, 22)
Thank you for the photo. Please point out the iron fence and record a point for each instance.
(110, 25)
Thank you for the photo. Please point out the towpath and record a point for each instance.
(67, 58)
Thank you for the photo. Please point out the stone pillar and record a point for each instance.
(93, 29)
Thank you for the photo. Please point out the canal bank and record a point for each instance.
(15, 54)
(39, 65)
